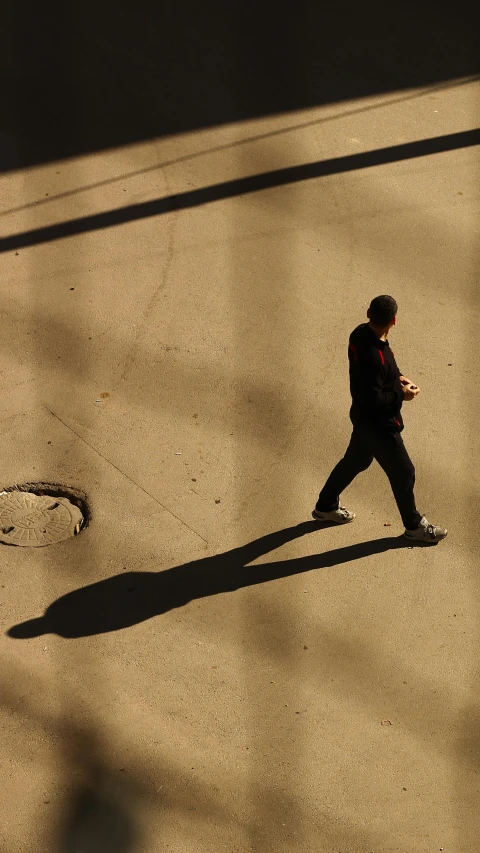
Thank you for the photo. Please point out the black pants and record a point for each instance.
(367, 444)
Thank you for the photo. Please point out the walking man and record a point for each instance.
(378, 390)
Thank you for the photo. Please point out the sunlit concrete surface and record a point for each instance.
(189, 372)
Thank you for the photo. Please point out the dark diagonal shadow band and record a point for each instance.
(241, 186)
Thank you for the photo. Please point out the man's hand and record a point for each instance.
(410, 391)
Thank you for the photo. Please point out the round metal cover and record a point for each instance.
(36, 520)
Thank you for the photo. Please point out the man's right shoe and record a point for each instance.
(339, 516)
(426, 532)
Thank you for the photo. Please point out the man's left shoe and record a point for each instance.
(339, 516)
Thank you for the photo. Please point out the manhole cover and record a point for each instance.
(38, 517)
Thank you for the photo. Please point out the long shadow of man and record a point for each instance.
(132, 597)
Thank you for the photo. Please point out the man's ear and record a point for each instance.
(368, 313)
(394, 321)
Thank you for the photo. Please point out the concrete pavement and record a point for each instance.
(329, 700)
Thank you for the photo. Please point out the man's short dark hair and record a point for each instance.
(382, 310)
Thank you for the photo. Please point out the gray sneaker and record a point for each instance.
(426, 532)
(340, 515)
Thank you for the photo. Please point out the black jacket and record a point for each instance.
(376, 390)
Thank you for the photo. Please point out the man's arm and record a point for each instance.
(374, 377)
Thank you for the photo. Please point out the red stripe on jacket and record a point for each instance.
(354, 351)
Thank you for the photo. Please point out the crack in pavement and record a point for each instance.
(131, 355)
(131, 480)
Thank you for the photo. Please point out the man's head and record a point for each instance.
(382, 313)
